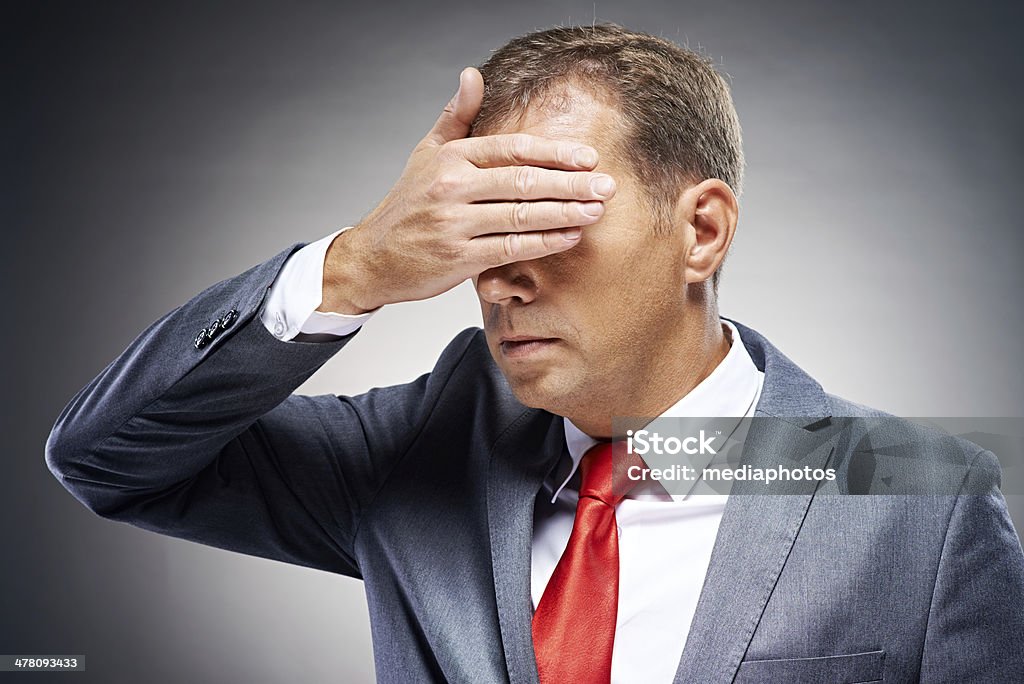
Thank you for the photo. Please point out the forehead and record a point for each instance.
(572, 112)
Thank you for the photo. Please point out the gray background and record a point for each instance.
(152, 150)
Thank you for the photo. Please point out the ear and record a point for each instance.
(710, 208)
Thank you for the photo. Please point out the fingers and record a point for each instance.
(523, 217)
(535, 183)
(459, 113)
(515, 149)
(490, 251)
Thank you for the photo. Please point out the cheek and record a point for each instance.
(594, 265)
(628, 296)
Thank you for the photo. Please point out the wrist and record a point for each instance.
(345, 281)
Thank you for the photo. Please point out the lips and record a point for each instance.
(520, 346)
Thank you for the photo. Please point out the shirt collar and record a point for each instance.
(731, 390)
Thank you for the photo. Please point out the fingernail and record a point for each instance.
(572, 234)
(592, 208)
(603, 185)
(584, 156)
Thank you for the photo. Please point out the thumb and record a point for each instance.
(459, 113)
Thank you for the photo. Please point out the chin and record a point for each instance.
(529, 391)
(549, 383)
(547, 391)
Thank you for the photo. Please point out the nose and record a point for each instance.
(506, 284)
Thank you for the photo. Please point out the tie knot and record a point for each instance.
(604, 469)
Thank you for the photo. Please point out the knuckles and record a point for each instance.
(445, 217)
(451, 150)
(517, 149)
(579, 185)
(511, 245)
(450, 252)
(444, 185)
(567, 212)
(520, 215)
(524, 179)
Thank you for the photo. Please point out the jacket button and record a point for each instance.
(228, 318)
(202, 338)
(214, 329)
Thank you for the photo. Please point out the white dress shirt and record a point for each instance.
(297, 292)
(664, 545)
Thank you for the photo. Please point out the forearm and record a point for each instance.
(164, 408)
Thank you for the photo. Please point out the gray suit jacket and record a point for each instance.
(425, 491)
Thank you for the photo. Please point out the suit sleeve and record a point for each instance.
(204, 440)
(976, 622)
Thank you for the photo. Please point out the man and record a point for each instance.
(590, 192)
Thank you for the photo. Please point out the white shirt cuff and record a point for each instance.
(297, 291)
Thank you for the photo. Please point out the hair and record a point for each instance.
(680, 123)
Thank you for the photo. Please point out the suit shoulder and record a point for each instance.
(908, 454)
(844, 408)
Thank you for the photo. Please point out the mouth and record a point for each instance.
(521, 346)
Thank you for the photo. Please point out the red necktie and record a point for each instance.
(574, 624)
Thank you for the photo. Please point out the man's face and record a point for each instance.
(579, 330)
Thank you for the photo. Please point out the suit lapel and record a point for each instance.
(757, 529)
(520, 460)
(754, 539)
